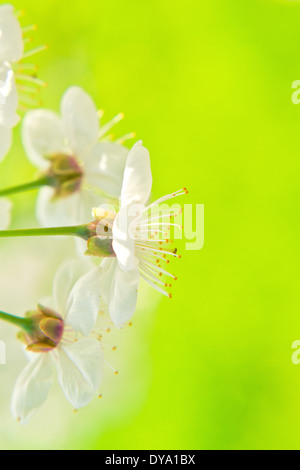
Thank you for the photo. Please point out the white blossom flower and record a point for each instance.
(61, 338)
(5, 209)
(11, 71)
(139, 252)
(69, 150)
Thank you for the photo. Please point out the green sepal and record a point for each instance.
(41, 347)
(100, 247)
(48, 312)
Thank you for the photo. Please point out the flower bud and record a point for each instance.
(45, 330)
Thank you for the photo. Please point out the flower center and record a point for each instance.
(65, 174)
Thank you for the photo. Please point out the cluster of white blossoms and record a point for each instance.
(94, 188)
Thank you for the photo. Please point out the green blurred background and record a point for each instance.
(207, 86)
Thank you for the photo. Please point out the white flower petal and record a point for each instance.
(108, 270)
(137, 181)
(89, 199)
(105, 165)
(121, 291)
(84, 302)
(8, 96)
(5, 209)
(75, 209)
(57, 212)
(65, 279)
(11, 38)
(42, 136)
(80, 371)
(123, 243)
(32, 387)
(5, 141)
(81, 122)
(80, 247)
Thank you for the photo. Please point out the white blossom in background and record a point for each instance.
(85, 168)
(63, 341)
(138, 251)
(11, 72)
(5, 213)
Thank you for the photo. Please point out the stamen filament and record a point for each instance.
(29, 78)
(152, 284)
(151, 275)
(124, 138)
(155, 250)
(20, 13)
(30, 27)
(160, 224)
(168, 215)
(110, 124)
(22, 67)
(34, 51)
(28, 89)
(178, 193)
(30, 101)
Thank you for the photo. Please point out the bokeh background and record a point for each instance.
(207, 85)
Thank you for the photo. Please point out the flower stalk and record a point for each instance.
(36, 184)
(23, 323)
(96, 245)
(76, 231)
(82, 231)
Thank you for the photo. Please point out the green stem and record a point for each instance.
(44, 181)
(81, 231)
(23, 323)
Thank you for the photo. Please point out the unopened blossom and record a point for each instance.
(136, 251)
(5, 209)
(60, 338)
(71, 151)
(11, 72)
